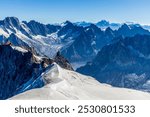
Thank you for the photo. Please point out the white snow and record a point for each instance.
(38, 58)
(19, 49)
(77, 65)
(93, 43)
(25, 27)
(65, 84)
(147, 27)
(147, 85)
(2, 32)
(47, 45)
(135, 77)
(20, 35)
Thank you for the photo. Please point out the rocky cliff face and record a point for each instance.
(21, 69)
(63, 62)
(125, 63)
(17, 68)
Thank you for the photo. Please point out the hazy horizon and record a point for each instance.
(58, 11)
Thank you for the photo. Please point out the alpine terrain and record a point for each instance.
(41, 61)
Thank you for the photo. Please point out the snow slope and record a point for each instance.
(65, 84)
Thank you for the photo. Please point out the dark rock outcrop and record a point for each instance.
(19, 70)
(63, 62)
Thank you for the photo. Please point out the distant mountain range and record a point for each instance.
(103, 24)
(75, 42)
(125, 63)
(113, 53)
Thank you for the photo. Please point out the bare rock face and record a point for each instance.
(19, 71)
(63, 62)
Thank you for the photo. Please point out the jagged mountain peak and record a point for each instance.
(67, 24)
(124, 27)
(83, 23)
(34, 22)
(103, 23)
(50, 37)
(93, 26)
(12, 21)
(126, 30)
(108, 30)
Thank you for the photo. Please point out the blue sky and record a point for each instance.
(55, 11)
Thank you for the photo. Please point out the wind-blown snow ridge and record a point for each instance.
(65, 84)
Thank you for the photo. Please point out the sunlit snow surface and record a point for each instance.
(65, 84)
(47, 45)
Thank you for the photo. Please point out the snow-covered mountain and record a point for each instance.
(124, 63)
(31, 34)
(76, 42)
(104, 24)
(65, 84)
(131, 30)
(83, 23)
(120, 56)
(92, 39)
(87, 44)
